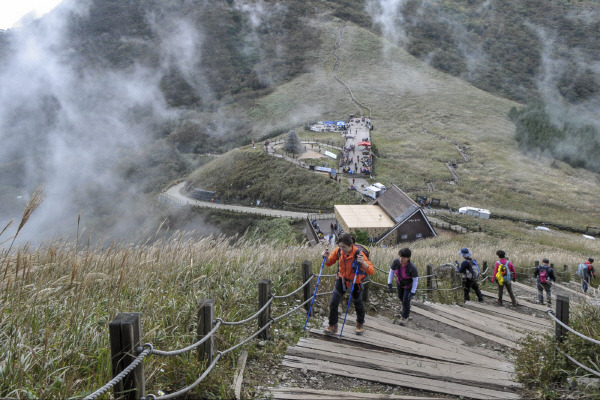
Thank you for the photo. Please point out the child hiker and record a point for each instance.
(349, 257)
(407, 279)
(504, 274)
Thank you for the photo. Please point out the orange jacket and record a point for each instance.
(346, 270)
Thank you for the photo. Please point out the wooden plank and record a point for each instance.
(573, 291)
(510, 315)
(290, 393)
(407, 365)
(387, 342)
(432, 339)
(529, 289)
(476, 332)
(474, 320)
(522, 302)
(239, 375)
(413, 382)
(342, 348)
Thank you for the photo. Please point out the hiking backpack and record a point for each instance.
(544, 275)
(473, 272)
(580, 269)
(505, 271)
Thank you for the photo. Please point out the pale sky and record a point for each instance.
(11, 11)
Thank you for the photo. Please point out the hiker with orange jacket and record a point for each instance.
(349, 257)
(508, 274)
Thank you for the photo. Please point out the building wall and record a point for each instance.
(412, 228)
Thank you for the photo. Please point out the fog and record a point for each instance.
(558, 60)
(68, 125)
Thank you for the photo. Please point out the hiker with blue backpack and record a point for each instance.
(586, 272)
(545, 276)
(470, 273)
(353, 266)
(407, 279)
(504, 275)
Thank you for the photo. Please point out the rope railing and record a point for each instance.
(551, 314)
(285, 296)
(148, 349)
(580, 365)
(190, 347)
(267, 304)
(121, 375)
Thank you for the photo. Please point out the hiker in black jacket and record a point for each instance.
(545, 276)
(469, 275)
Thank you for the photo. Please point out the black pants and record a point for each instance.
(405, 296)
(541, 287)
(469, 284)
(336, 297)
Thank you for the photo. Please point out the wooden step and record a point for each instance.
(290, 393)
(483, 335)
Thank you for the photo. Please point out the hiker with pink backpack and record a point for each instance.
(545, 276)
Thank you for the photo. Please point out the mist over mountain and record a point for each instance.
(106, 101)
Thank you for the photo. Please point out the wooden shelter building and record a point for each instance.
(390, 219)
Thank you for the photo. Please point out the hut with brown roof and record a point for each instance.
(390, 219)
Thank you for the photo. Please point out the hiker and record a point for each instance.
(586, 272)
(470, 273)
(504, 274)
(407, 279)
(349, 257)
(545, 276)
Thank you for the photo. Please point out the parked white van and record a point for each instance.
(476, 212)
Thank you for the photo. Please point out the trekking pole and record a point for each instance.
(315, 293)
(349, 298)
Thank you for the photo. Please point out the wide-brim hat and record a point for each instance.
(464, 252)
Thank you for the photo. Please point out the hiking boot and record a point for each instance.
(331, 330)
(360, 328)
(403, 321)
(498, 302)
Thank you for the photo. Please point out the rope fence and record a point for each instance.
(209, 326)
(561, 318)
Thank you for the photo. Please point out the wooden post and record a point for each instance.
(308, 289)
(205, 315)
(485, 267)
(264, 293)
(562, 313)
(565, 268)
(125, 333)
(537, 263)
(429, 281)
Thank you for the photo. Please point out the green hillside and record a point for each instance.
(420, 116)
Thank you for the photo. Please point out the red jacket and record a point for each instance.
(346, 270)
(511, 268)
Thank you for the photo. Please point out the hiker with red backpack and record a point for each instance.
(545, 276)
(470, 273)
(504, 275)
(586, 272)
(353, 266)
(407, 279)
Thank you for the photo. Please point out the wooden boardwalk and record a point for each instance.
(445, 351)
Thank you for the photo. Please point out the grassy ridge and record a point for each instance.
(247, 175)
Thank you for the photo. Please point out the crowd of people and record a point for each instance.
(354, 266)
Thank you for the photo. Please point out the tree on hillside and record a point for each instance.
(292, 143)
